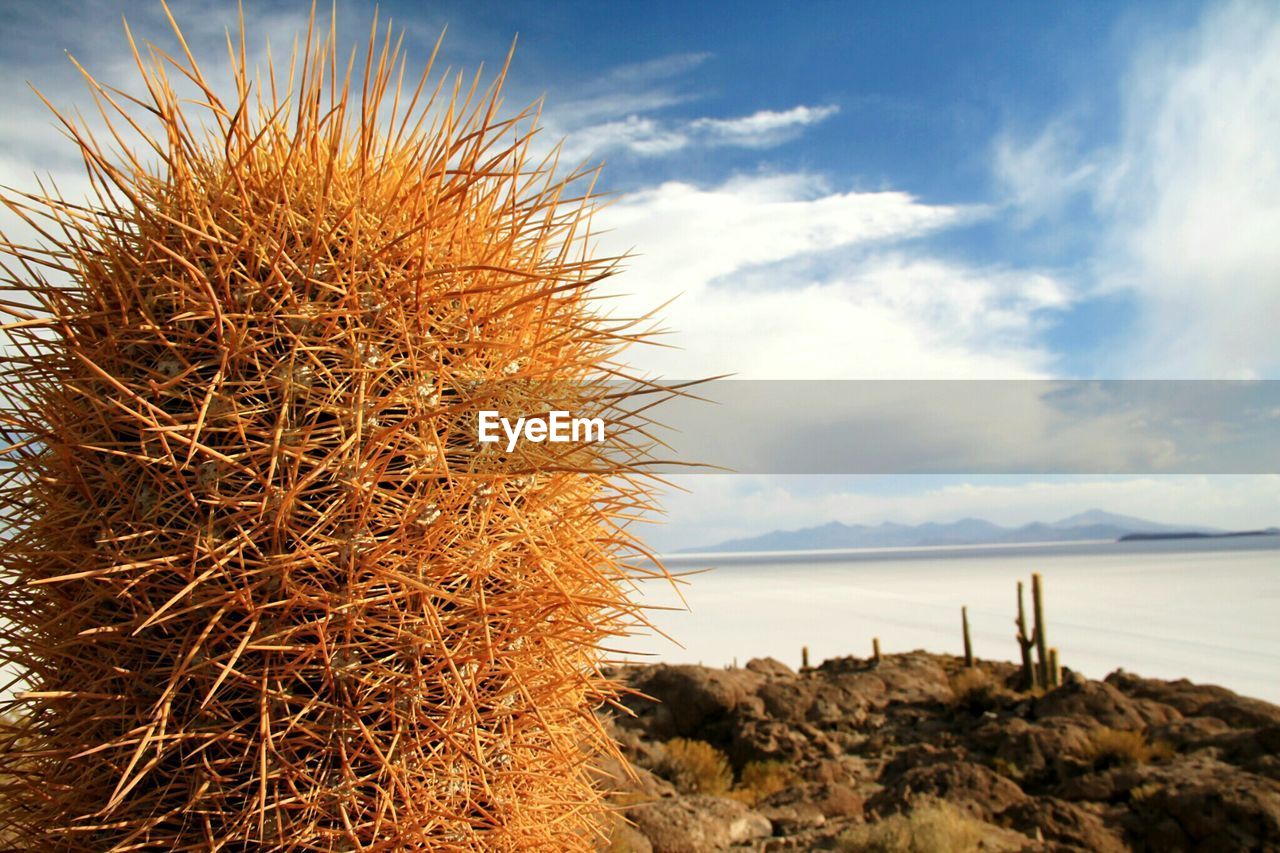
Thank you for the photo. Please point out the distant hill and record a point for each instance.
(1094, 524)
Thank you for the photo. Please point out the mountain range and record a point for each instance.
(1094, 524)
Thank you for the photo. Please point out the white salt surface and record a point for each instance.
(1207, 610)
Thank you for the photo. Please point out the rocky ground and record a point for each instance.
(917, 753)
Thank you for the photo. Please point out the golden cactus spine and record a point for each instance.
(262, 587)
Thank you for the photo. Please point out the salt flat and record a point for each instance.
(1207, 610)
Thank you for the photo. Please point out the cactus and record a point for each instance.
(1030, 676)
(1045, 674)
(263, 589)
(804, 658)
(968, 644)
(875, 650)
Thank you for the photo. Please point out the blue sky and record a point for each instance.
(838, 190)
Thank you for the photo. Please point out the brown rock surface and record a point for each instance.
(1199, 700)
(1066, 824)
(1189, 767)
(697, 824)
(978, 789)
(1202, 804)
(689, 696)
(1093, 700)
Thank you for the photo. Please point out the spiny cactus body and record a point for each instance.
(263, 587)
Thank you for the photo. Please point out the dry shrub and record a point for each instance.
(1110, 747)
(695, 767)
(759, 779)
(934, 828)
(975, 690)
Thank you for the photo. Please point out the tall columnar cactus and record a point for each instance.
(263, 588)
(1026, 643)
(1046, 674)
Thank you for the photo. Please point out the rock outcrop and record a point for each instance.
(821, 758)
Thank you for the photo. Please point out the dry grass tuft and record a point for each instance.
(1110, 747)
(934, 828)
(974, 690)
(759, 779)
(695, 767)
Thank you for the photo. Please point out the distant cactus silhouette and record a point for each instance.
(1049, 674)
(1026, 643)
(1045, 672)
(262, 587)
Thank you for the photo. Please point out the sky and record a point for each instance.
(861, 191)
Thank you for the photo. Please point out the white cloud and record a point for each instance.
(643, 136)
(1202, 238)
(32, 143)
(739, 261)
(631, 88)
(762, 126)
(614, 114)
(1189, 196)
(739, 252)
(650, 137)
(1040, 176)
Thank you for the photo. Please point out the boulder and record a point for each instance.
(1063, 823)
(1035, 748)
(1199, 700)
(698, 823)
(788, 701)
(793, 818)
(919, 755)
(1155, 713)
(770, 668)
(1245, 748)
(837, 801)
(1190, 733)
(1242, 712)
(1202, 804)
(638, 784)
(1097, 701)
(914, 678)
(856, 691)
(905, 678)
(755, 738)
(977, 789)
(689, 696)
(627, 838)
(845, 702)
